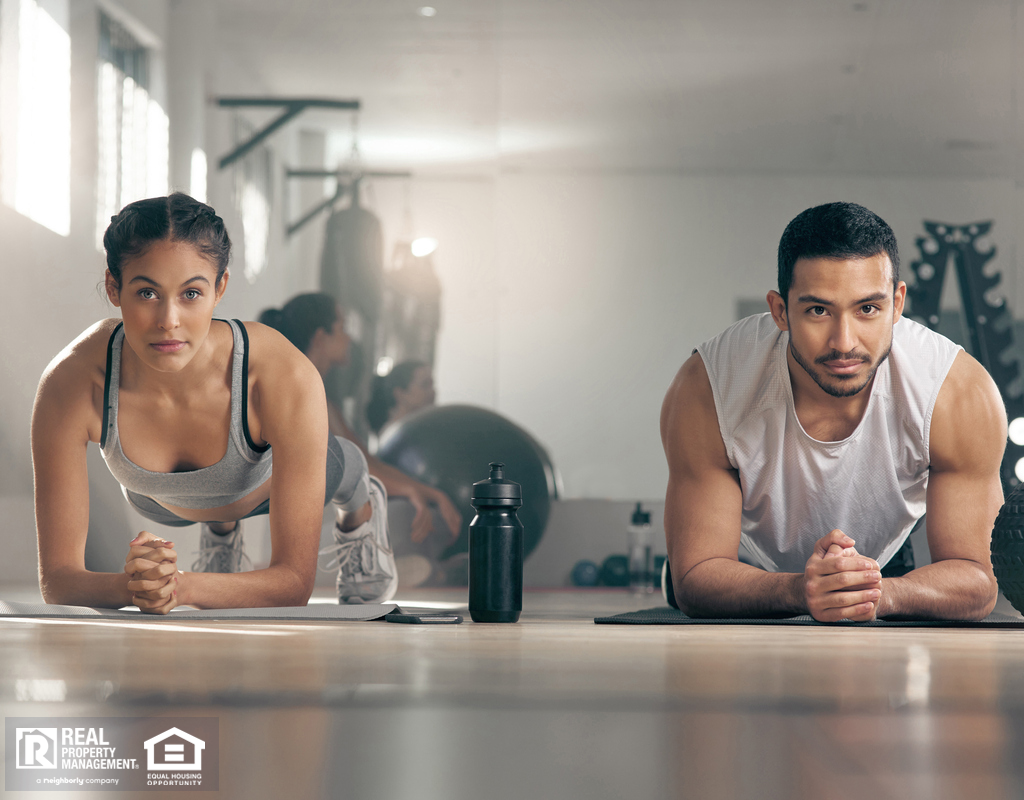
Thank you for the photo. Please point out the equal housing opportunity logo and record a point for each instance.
(174, 749)
(119, 753)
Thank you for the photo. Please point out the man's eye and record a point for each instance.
(817, 311)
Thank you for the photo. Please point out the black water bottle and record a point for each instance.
(496, 550)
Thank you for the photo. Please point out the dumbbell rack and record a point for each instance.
(989, 321)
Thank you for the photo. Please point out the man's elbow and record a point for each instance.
(978, 597)
(694, 603)
(983, 592)
(988, 595)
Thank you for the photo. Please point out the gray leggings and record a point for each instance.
(348, 485)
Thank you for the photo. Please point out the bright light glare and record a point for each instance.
(106, 190)
(384, 365)
(919, 675)
(197, 176)
(133, 150)
(40, 690)
(156, 624)
(427, 11)
(1018, 470)
(256, 227)
(41, 179)
(423, 246)
(403, 151)
(1017, 431)
(157, 147)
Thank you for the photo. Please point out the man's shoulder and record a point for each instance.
(917, 338)
(922, 358)
(756, 327)
(744, 354)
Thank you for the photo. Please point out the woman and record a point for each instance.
(407, 388)
(200, 420)
(315, 325)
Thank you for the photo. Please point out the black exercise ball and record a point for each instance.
(450, 447)
(1008, 548)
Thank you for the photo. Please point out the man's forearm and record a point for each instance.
(722, 587)
(952, 589)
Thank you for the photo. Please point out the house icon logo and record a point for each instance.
(174, 750)
(37, 748)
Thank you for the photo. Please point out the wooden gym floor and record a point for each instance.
(553, 707)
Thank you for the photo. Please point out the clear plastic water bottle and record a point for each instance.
(641, 545)
(496, 550)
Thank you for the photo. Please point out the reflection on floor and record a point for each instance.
(552, 707)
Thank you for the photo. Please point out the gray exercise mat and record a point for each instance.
(318, 611)
(671, 616)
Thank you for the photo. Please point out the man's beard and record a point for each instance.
(835, 355)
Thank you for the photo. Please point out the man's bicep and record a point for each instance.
(961, 513)
(703, 503)
(702, 518)
(968, 436)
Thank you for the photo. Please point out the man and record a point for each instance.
(819, 434)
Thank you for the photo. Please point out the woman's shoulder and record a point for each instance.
(86, 353)
(74, 379)
(285, 388)
(268, 344)
(272, 356)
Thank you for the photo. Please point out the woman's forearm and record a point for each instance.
(277, 585)
(80, 587)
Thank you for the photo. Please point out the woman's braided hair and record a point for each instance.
(176, 218)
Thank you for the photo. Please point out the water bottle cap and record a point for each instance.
(497, 490)
(641, 517)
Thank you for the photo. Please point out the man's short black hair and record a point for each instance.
(837, 231)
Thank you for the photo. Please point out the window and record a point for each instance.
(253, 191)
(132, 127)
(35, 111)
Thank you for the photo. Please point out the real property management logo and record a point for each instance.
(36, 748)
(111, 753)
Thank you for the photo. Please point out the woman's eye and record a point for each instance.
(193, 294)
(147, 294)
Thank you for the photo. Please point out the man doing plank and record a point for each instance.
(819, 433)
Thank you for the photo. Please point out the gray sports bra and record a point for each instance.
(243, 469)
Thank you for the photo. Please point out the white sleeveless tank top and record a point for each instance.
(871, 485)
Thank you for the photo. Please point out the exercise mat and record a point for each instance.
(671, 616)
(320, 612)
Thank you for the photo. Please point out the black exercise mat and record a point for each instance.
(320, 612)
(671, 616)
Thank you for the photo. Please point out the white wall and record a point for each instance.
(570, 299)
(53, 282)
(51, 295)
(607, 282)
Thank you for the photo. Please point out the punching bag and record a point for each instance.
(352, 271)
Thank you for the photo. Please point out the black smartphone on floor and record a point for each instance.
(423, 619)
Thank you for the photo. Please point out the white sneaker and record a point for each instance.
(220, 552)
(363, 557)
